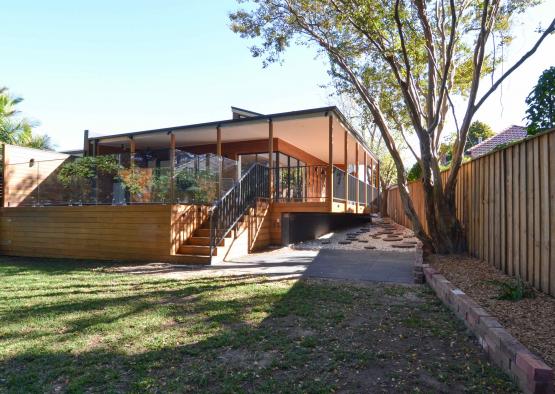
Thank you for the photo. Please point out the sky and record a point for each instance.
(118, 66)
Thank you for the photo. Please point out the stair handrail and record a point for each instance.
(228, 210)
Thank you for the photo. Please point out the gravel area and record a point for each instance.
(530, 320)
(381, 234)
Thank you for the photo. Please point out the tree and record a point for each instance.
(406, 60)
(541, 103)
(414, 173)
(15, 130)
(478, 131)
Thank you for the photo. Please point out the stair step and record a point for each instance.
(190, 259)
(205, 232)
(203, 241)
(198, 250)
(202, 232)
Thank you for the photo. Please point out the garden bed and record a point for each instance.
(530, 320)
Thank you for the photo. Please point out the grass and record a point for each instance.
(75, 327)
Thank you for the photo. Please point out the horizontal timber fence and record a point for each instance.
(506, 204)
(100, 232)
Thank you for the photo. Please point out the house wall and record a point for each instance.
(506, 205)
(24, 170)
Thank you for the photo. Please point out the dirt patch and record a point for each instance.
(530, 320)
(246, 359)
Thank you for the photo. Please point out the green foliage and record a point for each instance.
(514, 290)
(414, 173)
(15, 130)
(132, 180)
(541, 103)
(476, 132)
(86, 168)
(197, 186)
(160, 186)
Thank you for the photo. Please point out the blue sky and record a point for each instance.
(112, 66)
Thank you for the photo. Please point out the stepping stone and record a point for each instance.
(365, 228)
(351, 234)
(344, 242)
(362, 241)
(402, 246)
(392, 239)
(369, 247)
(410, 242)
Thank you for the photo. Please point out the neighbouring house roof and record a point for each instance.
(510, 134)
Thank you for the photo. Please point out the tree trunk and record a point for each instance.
(446, 233)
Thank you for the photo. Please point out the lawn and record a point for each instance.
(74, 327)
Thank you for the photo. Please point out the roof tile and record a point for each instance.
(510, 134)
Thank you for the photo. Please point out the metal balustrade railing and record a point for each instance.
(228, 210)
(300, 183)
(339, 188)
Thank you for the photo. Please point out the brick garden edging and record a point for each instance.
(418, 265)
(528, 370)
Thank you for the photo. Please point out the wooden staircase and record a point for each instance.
(196, 249)
(227, 215)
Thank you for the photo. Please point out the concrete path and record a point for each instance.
(287, 263)
(329, 257)
(375, 266)
(367, 265)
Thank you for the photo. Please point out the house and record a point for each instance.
(510, 134)
(193, 193)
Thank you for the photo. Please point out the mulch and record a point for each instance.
(530, 320)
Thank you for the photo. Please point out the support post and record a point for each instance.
(131, 162)
(371, 181)
(271, 158)
(346, 161)
(365, 180)
(220, 159)
(218, 140)
(95, 148)
(357, 184)
(172, 168)
(86, 143)
(378, 186)
(329, 180)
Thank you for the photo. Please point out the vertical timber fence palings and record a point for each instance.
(506, 205)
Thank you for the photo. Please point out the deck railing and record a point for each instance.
(120, 179)
(339, 189)
(228, 210)
(301, 183)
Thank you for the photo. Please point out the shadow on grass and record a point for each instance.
(93, 331)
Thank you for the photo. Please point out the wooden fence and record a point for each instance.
(506, 205)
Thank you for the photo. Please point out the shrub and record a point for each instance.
(514, 290)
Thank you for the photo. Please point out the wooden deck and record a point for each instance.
(134, 232)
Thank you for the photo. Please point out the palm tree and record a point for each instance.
(27, 138)
(15, 130)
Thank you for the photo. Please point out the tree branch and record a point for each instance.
(525, 57)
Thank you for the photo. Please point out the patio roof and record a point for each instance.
(306, 129)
